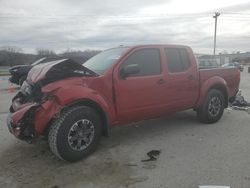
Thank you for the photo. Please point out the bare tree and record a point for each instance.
(79, 56)
(11, 55)
(41, 52)
(12, 49)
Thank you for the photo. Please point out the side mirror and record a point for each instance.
(130, 70)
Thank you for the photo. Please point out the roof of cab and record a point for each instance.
(155, 45)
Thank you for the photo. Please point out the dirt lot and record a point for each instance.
(192, 154)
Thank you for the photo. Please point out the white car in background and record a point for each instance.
(234, 65)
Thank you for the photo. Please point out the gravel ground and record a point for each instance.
(192, 154)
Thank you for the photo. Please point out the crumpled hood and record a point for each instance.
(19, 68)
(56, 70)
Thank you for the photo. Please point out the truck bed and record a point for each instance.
(230, 75)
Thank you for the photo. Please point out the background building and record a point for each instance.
(220, 59)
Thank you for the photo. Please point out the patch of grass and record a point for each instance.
(4, 73)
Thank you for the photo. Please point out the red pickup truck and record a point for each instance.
(75, 104)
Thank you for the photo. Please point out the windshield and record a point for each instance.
(102, 61)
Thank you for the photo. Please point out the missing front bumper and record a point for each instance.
(20, 124)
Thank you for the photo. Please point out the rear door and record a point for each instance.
(183, 78)
(140, 96)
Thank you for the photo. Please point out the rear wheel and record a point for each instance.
(75, 134)
(213, 107)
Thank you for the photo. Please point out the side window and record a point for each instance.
(148, 61)
(177, 59)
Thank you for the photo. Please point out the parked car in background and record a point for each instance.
(19, 73)
(74, 104)
(234, 65)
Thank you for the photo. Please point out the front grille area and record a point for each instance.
(34, 96)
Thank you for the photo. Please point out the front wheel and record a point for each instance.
(75, 134)
(213, 107)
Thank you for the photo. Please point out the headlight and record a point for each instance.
(12, 70)
(26, 88)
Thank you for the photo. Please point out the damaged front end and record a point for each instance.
(32, 109)
(22, 112)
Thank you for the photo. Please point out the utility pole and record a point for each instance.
(217, 14)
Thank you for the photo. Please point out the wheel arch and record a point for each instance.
(215, 82)
(92, 104)
(223, 89)
(66, 97)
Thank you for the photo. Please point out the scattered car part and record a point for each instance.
(239, 103)
(213, 186)
(239, 100)
(153, 155)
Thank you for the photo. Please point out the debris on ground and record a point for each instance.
(153, 155)
(239, 100)
(134, 180)
(239, 103)
(213, 186)
(130, 164)
(55, 186)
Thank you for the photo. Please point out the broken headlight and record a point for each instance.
(14, 70)
(26, 88)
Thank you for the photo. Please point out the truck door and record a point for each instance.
(140, 95)
(183, 78)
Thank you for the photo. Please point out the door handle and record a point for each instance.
(161, 81)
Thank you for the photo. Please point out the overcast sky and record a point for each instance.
(100, 24)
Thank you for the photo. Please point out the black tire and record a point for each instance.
(68, 123)
(212, 108)
(21, 80)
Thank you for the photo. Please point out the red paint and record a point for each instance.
(18, 115)
(44, 114)
(133, 98)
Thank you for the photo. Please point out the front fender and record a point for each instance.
(215, 82)
(65, 96)
(44, 114)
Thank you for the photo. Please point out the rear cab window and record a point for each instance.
(177, 59)
(148, 61)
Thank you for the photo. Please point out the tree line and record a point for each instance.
(11, 56)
